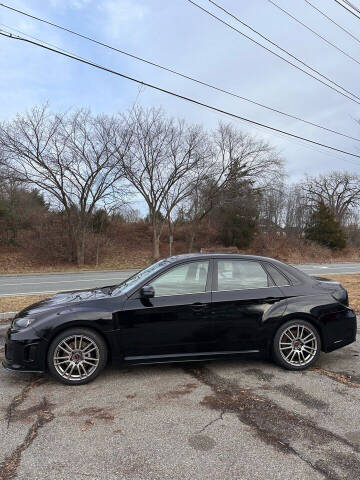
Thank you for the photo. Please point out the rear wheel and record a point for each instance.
(77, 356)
(297, 345)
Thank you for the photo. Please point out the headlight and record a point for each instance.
(19, 323)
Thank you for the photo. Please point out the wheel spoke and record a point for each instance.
(65, 350)
(72, 369)
(63, 359)
(292, 336)
(89, 363)
(305, 341)
(84, 369)
(67, 368)
(307, 336)
(303, 356)
(90, 344)
(310, 351)
(288, 356)
(60, 363)
(89, 351)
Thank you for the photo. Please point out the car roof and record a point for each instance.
(194, 256)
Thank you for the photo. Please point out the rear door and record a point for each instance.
(243, 295)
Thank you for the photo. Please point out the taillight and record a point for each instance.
(341, 295)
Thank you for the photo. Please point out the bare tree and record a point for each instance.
(340, 191)
(297, 210)
(235, 156)
(272, 207)
(161, 161)
(71, 156)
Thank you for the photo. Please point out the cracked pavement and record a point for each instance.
(245, 419)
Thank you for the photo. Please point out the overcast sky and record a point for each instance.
(176, 34)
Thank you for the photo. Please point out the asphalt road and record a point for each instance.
(50, 283)
(246, 419)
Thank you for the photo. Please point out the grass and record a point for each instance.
(350, 282)
(14, 304)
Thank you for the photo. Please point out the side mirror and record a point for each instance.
(147, 291)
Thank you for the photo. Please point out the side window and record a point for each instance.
(188, 278)
(279, 278)
(241, 274)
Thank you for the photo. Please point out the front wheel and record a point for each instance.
(77, 356)
(297, 345)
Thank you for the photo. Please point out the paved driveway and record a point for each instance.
(244, 419)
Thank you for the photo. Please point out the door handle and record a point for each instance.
(271, 299)
(199, 306)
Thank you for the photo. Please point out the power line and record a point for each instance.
(188, 77)
(348, 9)
(177, 95)
(271, 51)
(313, 31)
(354, 7)
(333, 21)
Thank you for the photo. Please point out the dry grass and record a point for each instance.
(352, 285)
(14, 304)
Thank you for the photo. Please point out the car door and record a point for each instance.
(177, 321)
(245, 304)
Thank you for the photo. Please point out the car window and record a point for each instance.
(187, 278)
(241, 274)
(278, 277)
(131, 282)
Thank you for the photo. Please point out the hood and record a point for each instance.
(65, 298)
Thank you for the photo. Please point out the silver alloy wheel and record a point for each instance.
(76, 357)
(298, 345)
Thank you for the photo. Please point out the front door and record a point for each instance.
(243, 296)
(176, 322)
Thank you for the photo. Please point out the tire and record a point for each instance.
(76, 356)
(296, 345)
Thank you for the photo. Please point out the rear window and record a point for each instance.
(279, 278)
(241, 274)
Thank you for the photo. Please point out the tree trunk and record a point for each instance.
(81, 249)
(171, 236)
(156, 242)
(192, 237)
(156, 237)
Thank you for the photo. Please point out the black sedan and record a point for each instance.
(184, 308)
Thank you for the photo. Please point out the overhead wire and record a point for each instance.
(333, 21)
(314, 32)
(171, 70)
(276, 45)
(174, 94)
(348, 9)
(223, 21)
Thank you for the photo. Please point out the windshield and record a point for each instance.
(131, 282)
